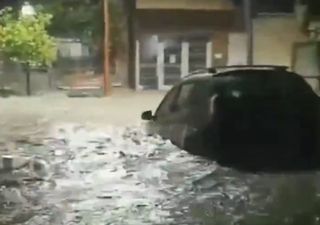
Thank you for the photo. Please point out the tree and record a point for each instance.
(84, 19)
(25, 40)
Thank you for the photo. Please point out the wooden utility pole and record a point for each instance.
(106, 75)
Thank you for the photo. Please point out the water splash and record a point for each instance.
(122, 176)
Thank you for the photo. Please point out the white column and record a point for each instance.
(185, 59)
(160, 65)
(237, 49)
(209, 55)
(137, 83)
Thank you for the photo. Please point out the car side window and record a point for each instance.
(193, 94)
(184, 96)
(165, 107)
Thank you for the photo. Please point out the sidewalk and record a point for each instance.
(123, 108)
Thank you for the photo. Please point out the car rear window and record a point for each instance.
(262, 82)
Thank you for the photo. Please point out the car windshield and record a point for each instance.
(153, 112)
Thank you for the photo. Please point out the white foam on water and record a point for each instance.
(122, 176)
(127, 176)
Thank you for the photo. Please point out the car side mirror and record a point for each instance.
(147, 115)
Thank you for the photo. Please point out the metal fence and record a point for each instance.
(74, 67)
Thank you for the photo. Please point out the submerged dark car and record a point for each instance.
(252, 118)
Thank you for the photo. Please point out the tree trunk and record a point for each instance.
(28, 83)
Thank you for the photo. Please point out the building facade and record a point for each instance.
(176, 37)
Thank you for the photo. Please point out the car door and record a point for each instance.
(197, 117)
(198, 104)
(161, 123)
(180, 114)
(191, 113)
(171, 116)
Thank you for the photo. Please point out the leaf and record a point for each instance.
(26, 40)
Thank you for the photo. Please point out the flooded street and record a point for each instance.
(81, 80)
(120, 176)
(81, 173)
(111, 176)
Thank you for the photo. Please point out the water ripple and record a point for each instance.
(121, 176)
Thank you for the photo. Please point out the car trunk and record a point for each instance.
(257, 132)
(264, 129)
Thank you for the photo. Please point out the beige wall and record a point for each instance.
(237, 48)
(185, 4)
(274, 38)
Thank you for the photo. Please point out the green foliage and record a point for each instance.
(25, 39)
(84, 19)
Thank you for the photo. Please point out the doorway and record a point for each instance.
(163, 62)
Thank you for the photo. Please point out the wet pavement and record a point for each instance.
(78, 174)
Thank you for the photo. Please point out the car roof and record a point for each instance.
(209, 73)
(226, 70)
